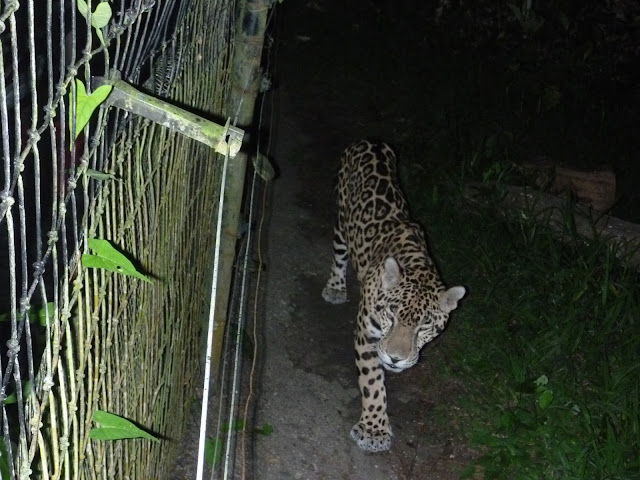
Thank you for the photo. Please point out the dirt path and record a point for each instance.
(308, 387)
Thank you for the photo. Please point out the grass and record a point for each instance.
(547, 342)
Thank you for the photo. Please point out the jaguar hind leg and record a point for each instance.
(335, 291)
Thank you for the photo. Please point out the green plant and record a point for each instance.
(548, 338)
(114, 427)
(100, 17)
(108, 258)
(85, 105)
(35, 314)
(27, 388)
(214, 445)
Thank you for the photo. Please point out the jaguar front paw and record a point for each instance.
(372, 439)
(334, 295)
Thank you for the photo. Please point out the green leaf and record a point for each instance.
(545, 398)
(5, 464)
(108, 258)
(99, 18)
(236, 426)
(213, 451)
(85, 106)
(83, 8)
(26, 391)
(113, 427)
(100, 175)
(541, 381)
(49, 308)
(33, 314)
(100, 36)
(265, 430)
(101, 15)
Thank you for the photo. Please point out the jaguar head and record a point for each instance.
(411, 313)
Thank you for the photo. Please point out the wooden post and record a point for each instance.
(245, 86)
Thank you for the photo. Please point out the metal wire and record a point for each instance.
(211, 325)
(230, 445)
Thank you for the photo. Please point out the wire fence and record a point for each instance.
(76, 340)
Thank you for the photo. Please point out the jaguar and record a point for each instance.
(403, 302)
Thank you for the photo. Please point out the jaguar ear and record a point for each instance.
(391, 274)
(449, 298)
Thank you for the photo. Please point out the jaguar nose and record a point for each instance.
(394, 360)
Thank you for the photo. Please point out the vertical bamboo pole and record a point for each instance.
(245, 78)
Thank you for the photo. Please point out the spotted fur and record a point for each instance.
(403, 303)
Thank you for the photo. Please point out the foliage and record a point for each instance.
(214, 445)
(113, 427)
(5, 464)
(108, 258)
(100, 17)
(35, 314)
(213, 450)
(547, 343)
(27, 388)
(85, 106)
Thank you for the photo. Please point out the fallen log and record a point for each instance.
(593, 188)
(557, 212)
